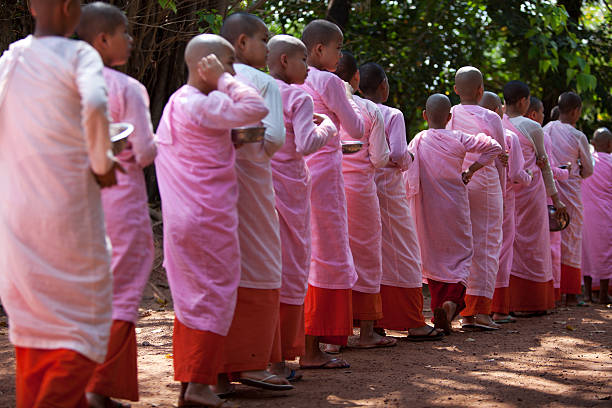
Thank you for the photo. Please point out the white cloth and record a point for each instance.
(55, 279)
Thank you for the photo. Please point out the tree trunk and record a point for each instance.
(338, 12)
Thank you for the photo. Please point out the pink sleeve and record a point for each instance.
(234, 105)
(334, 96)
(308, 136)
(488, 148)
(516, 162)
(136, 112)
(559, 174)
(398, 146)
(497, 132)
(379, 149)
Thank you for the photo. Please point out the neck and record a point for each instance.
(42, 30)
(433, 125)
(512, 111)
(568, 120)
(197, 83)
(315, 64)
(281, 76)
(373, 98)
(469, 101)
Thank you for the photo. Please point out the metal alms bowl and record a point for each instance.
(119, 133)
(351, 146)
(248, 134)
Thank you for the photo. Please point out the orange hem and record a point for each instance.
(328, 312)
(52, 378)
(476, 305)
(366, 306)
(198, 354)
(117, 377)
(530, 296)
(254, 340)
(571, 280)
(402, 308)
(293, 338)
(501, 301)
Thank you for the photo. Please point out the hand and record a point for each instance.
(318, 119)
(109, 179)
(529, 173)
(503, 158)
(561, 210)
(542, 161)
(210, 70)
(466, 176)
(349, 90)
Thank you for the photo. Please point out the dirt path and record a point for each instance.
(563, 359)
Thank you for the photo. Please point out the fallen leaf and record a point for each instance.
(570, 327)
(169, 356)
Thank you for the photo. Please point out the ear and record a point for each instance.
(425, 115)
(450, 115)
(284, 60)
(318, 49)
(241, 41)
(455, 89)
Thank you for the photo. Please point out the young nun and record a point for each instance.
(536, 113)
(442, 209)
(500, 306)
(254, 338)
(328, 313)
(531, 281)
(597, 233)
(365, 231)
(569, 144)
(199, 192)
(55, 280)
(401, 283)
(307, 132)
(486, 199)
(126, 212)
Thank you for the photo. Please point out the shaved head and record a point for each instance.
(347, 66)
(99, 17)
(602, 140)
(55, 17)
(568, 101)
(283, 44)
(371, 76)
(241, 23)
(320, 32)
(554, 113)
(534, 105)
(490, 101)
(204, 45)
(468, 81)
(514, 91)
(438, 108)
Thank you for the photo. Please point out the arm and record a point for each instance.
(398, 146)
(585, 157)
(137, 113)
(274, 138)
(94, 110)
(378, 148)
(537, 136)
(488, 148)
(309, 137)
(497, 129)
(334, 96)
(516, 162)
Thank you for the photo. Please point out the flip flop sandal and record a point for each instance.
(294, 376)
(582, 303)
(506, 320)
(426, 337)
(328, 365)
(263, 384)
(383, 343)
(478, 326)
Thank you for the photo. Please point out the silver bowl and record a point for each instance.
(351, 146)
(119, 133)
(248, 134)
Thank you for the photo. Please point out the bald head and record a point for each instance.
(283, 44)
(602, 140)
(468, 82)
(491, 101)
(568, 101)
(99, 17)
(347, 66)
(203, 45)
(241, 23)
(437, 109)
(320, 32)
(371, 76)
(55, 17)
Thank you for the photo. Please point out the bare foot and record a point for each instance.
(101, 401)
(321, 359)
(571, 300)
(503, 318)
(368, 338)
(263, 376)
(485, 319)
(282, 370)
(331, 348)
(201, 394)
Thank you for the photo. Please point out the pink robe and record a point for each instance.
(516, 175)
(258, 225)
(401, 255)
(531, 251)
(199, 191)
(363, 211)
(292, 187)
(597, 233)
(442, 211)
(55, 279)
(568, 144)
(125, 205)
(486, 199)
(331, 266)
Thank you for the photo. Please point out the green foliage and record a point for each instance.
(168, 4)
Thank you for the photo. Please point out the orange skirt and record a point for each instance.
(402, 308)
(198, 354)
(530, 296)
(443, 291)
(292, 331)
(476, 305)
(117, 377)
(52, 378)
(501, 301)
(571, 280)
(366, 306)
(254, 339)
(328, 314)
